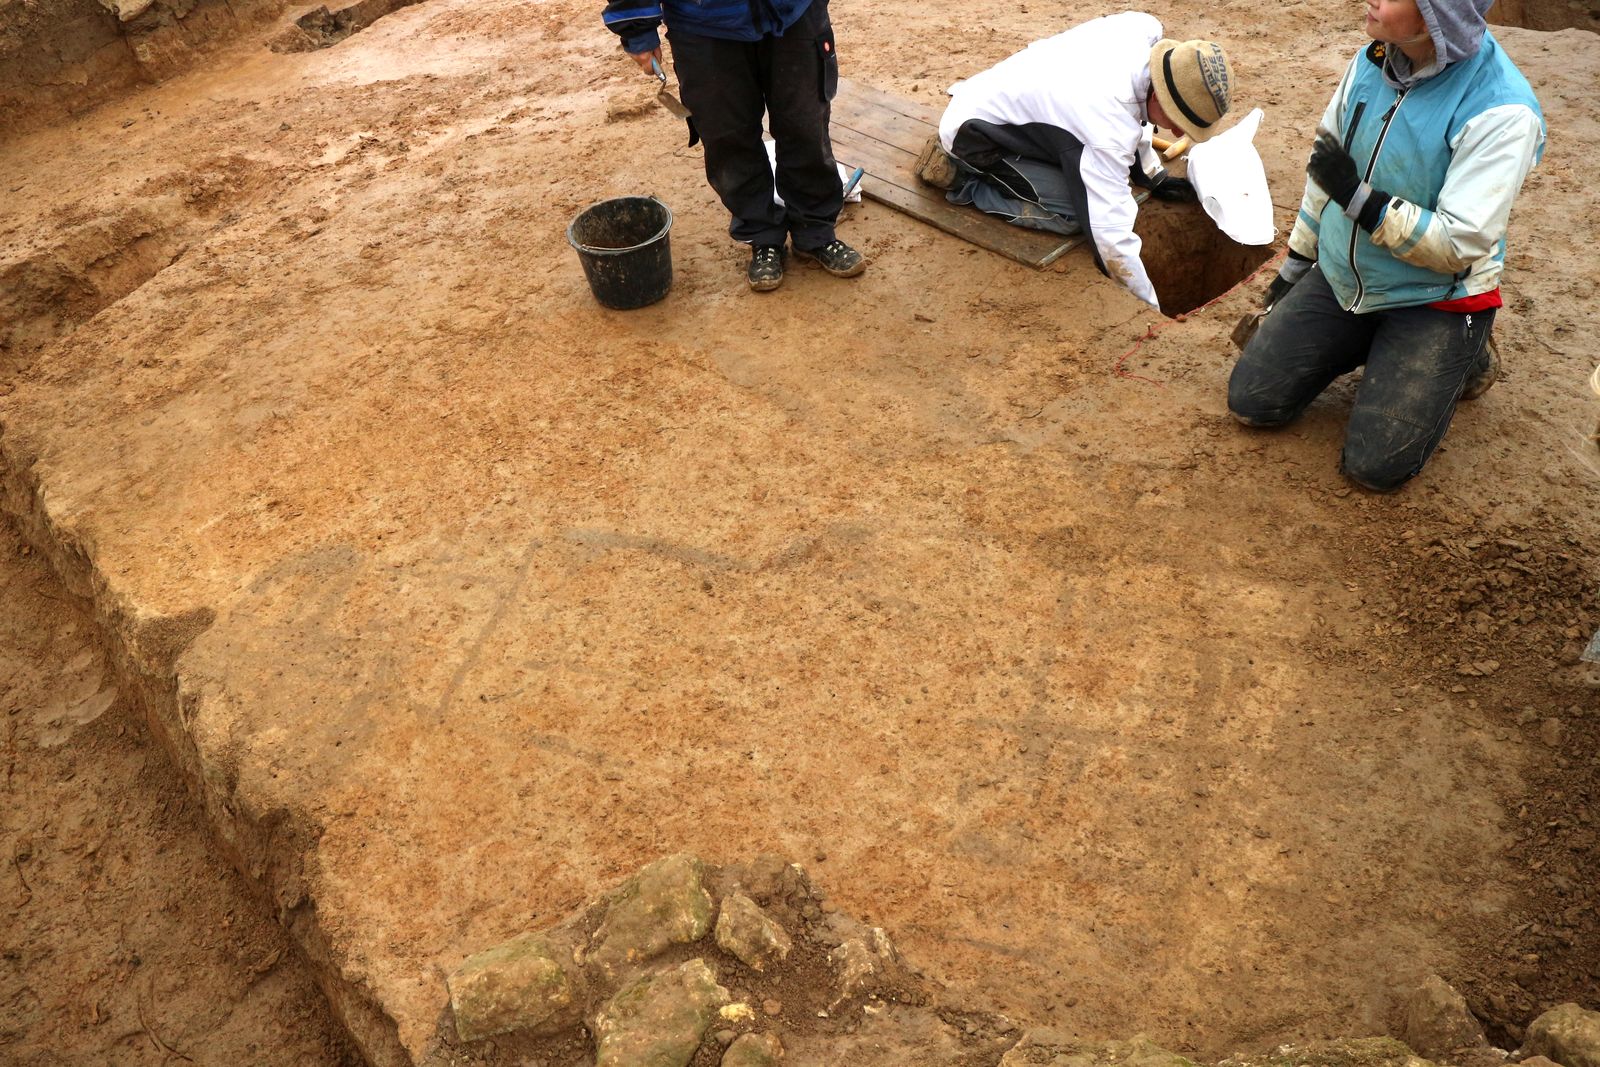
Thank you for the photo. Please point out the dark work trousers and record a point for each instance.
(792, 78)
(1417, 359)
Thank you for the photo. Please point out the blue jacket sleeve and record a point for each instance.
(635, 21)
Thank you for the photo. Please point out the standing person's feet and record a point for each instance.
(765, 272)
(837, 258)
(1485, 374)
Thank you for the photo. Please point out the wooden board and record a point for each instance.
(884, 133)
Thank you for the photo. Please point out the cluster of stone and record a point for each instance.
(647, 974)
(625, 981)
(1438, 1025)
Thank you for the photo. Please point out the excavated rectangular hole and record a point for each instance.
(1189, 260)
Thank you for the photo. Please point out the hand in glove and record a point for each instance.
(1294, 268)
(1332, 168)
(1174, 189)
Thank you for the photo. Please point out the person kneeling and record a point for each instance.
(1049, 138)
(1395, 258)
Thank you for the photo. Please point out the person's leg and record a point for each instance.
(1301, 347)
(721, 85)
(800, 73)
(1417, 367)
(1048, 191)
(1023, 192)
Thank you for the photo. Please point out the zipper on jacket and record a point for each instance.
(1355, 120)
(1372, 164)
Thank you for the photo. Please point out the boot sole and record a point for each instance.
(764, 285)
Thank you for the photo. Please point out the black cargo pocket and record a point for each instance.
(829, 58)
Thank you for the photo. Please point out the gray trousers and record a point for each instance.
(1022, 191)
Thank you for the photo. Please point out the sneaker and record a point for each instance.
(1485, 374)
(935, 166)
(837, 258)
(766, 268)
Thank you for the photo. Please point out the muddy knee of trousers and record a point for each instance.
(1252, 401)
(1377, 472)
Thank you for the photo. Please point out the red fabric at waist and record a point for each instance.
(1481, 302)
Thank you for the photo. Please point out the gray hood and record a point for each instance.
(1456, 26)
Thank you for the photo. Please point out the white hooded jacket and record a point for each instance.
(1092, 82)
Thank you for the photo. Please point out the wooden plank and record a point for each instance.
(891, 182)
(901, 131)
(901, 105)
(884, 133)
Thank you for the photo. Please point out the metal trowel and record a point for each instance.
(664, 95)
(1246, 328)
(665, 98)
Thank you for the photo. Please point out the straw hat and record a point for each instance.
(1192, 82)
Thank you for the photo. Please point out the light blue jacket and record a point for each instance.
(1451, 151)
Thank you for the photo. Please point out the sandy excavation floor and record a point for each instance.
(462, 597)
(127, 941)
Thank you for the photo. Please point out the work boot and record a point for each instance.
(765, 272)
(1485, 374)
(936, 167)
(837, 258)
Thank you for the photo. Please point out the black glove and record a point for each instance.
(1276, 291)
(1174, 189)
(1332, 168)
(1294, 268)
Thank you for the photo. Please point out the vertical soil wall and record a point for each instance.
(62, 57)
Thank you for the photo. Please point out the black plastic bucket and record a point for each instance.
(625, 250)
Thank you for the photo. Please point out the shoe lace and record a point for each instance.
(766, 255)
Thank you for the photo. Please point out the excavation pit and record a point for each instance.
(1189, 260)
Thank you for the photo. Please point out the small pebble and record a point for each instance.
(772, 1007)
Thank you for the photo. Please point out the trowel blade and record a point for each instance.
(672, 103)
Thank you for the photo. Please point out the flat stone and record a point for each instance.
(1567, 1034)
(1437, 1022)
(518, 985)
(750, 934)
(659, 1020)
(754, 1050)
(665, 904)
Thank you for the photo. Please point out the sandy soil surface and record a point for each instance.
(1115, 714)
(126, 942)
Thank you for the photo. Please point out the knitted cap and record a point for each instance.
(1192, 81)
